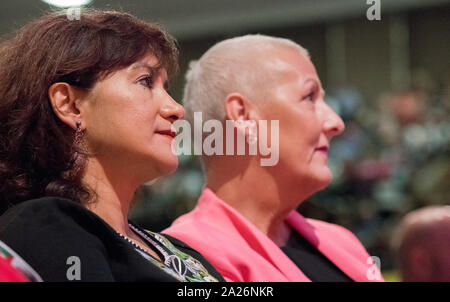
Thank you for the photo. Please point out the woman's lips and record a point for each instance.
(322, 149)
(169, 132)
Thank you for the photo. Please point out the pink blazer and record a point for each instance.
(242, 253)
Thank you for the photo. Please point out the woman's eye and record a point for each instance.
(309, 97)
(146, 81)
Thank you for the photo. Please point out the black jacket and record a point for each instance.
(45, 232)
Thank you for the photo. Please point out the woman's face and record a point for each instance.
(306, 122)
(128, 119)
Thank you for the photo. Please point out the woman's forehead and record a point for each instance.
(149, 61)
(292, 66)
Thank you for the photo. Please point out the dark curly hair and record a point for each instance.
(37, 150)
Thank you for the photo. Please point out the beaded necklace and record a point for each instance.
(173, 261)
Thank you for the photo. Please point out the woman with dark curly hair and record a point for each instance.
(85, 119)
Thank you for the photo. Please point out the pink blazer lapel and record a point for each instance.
(254, 238)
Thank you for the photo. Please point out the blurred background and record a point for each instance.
(388, 79)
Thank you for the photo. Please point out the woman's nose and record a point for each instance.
(333, 124)
(172, 110)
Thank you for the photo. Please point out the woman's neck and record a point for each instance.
(114, 195)
(261, 198)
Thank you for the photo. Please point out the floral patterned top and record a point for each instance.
(176, 263)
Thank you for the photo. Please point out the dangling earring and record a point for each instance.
(78, 133)
(252, 132)
(252, 138)
(78, 144)
(78, 155)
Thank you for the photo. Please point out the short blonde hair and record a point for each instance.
(232, 65)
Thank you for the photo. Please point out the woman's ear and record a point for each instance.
(238, 107)
(64, 100)
(244, 113)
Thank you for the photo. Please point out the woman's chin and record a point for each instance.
(168, 165)
(324, 178)
(159, 167)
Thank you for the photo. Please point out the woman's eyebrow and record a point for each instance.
(315, 84)
(311, 83)
(152, 69)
